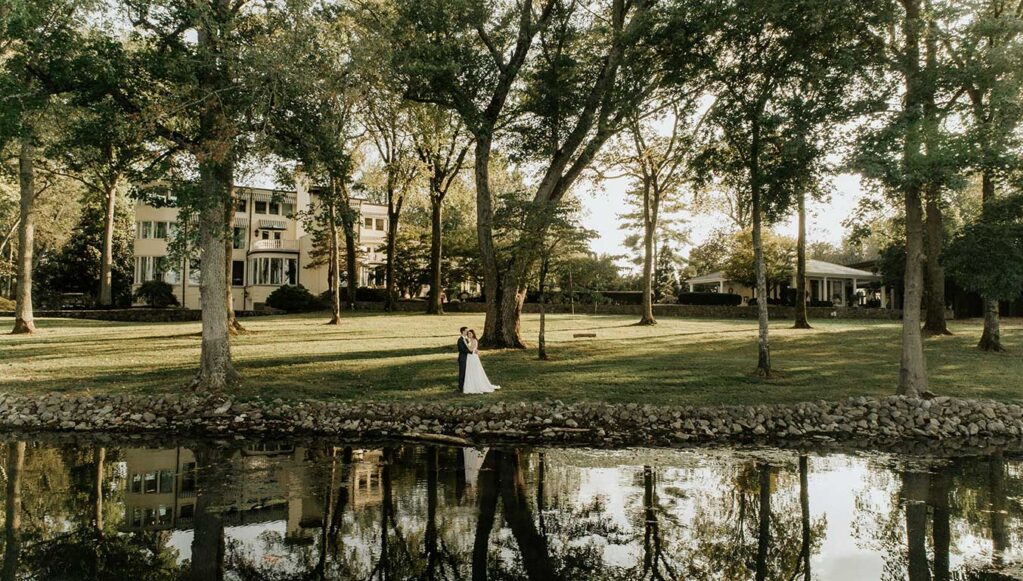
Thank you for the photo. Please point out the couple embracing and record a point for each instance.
(471, 377)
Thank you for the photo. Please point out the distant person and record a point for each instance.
(463, 357)
(472, 377)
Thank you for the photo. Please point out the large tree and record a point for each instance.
(442, 144)
(207, 67)
(561, 76)
(654, 159)
(777, 79)
(985, 43)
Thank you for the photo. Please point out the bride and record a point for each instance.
(475, 378)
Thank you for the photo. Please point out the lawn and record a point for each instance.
(412, 357)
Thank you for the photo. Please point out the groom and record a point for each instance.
(463, 355)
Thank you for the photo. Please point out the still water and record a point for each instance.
(275, 510)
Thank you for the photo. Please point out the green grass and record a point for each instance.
(412, 357)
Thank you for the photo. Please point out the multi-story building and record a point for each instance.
(271, 247)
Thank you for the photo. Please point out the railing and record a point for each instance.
(274, 245)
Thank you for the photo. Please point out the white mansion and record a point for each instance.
(271, 247)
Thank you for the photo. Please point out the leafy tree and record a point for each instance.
(778, 256)
(987, 256)
(781, 74)
(985, 39)
(655, 163)
(77, 266)
(442, 144)
(561, 76)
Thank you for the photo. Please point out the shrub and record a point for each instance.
(370, 295)
(624, 297)
(717, 299)
(293, 299)
(6, 304)
(157, 294)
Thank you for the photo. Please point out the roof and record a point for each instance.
(816, 268)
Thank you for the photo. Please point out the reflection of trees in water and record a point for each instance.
(761, 530)
(930, 507)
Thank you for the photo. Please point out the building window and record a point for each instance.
(241, 206)
(188, 477)
(136, 483)
(149, 482)
(172, 229)
(275, 208)
(239, 238)
(238, 273)
(380, 224)
(369, 223)
(288, 209)
(260, 207)
(172, 276)
(194, 271)
(160, 230)
(147, 230)
(149, 268)
(166, 481)
(274, 271)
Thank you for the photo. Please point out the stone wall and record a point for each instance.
(684, 311)
(137, 315)
(862, 421)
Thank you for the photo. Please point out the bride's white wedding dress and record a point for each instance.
(476, 380)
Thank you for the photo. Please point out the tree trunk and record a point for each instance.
(763, 348)
(487, 495)
(24, 322)
(208, 547)
(536, 556)
(804, 512)
(106, 278)
(914, 492)
(913, 367)
(934, 320)
(541, 340)
(216, 371)
(941, 530)
(648, 267)
(12, 511)
(801, 319)
(991, 338)
(233, 326)
(435, 306)
(764, 518)
(99, 457)
(999, 532)
(391, 299)
(335, 266)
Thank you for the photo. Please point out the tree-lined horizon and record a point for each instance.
(475, 123)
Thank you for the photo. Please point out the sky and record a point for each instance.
(606, 202)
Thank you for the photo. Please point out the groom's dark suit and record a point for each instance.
(463, 355)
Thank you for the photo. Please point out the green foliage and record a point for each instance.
(987, 257)
(75, 267)
(157, 294)
(779, 259)
(293, 299)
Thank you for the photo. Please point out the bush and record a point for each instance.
(6, 304)
(293, 299)
(624, 297)
(370, 295)
(716, 299)
(157, 294)
(817, 303)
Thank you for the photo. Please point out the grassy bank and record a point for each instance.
(412, 357)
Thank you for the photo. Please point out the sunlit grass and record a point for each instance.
(412, 357)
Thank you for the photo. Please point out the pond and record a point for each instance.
(280, 510)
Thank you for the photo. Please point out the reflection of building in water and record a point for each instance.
(266, 482)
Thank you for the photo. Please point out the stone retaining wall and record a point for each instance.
(683, 311)
(865, 421)
(137, 315)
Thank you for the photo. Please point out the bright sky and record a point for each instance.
(824, 218)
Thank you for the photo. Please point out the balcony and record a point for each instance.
(275, 245)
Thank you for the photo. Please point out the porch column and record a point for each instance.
(884, 297)
(845, 300)
(690, 287)
(825, 291)
(721, 287)
(856, 295)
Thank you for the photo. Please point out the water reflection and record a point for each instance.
(283, 512)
